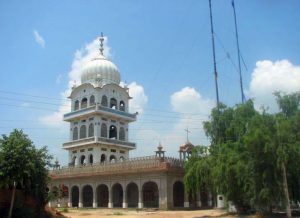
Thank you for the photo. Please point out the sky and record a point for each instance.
(163, 51)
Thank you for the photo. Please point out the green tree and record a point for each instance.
(24, 164)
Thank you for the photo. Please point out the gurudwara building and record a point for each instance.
(100, 172)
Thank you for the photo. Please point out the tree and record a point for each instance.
(253, 156)
(24, 164)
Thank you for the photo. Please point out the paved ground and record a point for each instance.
(132, 213)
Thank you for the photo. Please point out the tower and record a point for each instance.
(99, 115)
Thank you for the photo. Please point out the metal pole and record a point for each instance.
(238, 51)
(214, 55)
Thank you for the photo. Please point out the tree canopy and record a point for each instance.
(247, 152)
(24, 164)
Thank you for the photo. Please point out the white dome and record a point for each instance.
(100, 71)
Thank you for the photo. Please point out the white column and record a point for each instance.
(141, 203)
(220, 201)
(80, 198)
(69, 198)
(110, 204)
(94, 197)
(124, 204)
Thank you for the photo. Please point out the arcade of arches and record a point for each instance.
(132, 195)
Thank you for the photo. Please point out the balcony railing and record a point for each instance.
(140, 164)
(99, 109)
(98, 140)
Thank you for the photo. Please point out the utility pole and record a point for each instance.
(214, 55)
(239, 54)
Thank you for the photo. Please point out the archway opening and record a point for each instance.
(178, 194)
(112, 158)
(113, 103)
(150, 195)
(91, 159)
(75, 196)
(87, 196)
(92, 100)
(103, 130)
(122, 134)
(82, 132)
(122, 106)
(82, 160)
(103, 158)
(113, 133)
(75, 133)
(91, 130)
(104, 101)
(132, 195)
(117, 195)
(84, 102)
(102, 196)
(76, 105)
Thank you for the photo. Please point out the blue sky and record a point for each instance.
(162, 46)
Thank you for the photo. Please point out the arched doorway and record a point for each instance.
(102, 196)
(75, 196)
(113, 133)
(117, 195)
(178, 194)
(102, 158)
(87, 196)
(132, 195)
(150, 195)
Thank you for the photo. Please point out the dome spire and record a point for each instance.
(101, 39)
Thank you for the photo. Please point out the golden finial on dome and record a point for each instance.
(101, 39)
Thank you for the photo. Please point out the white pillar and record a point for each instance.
(69, 199)
(110, 204)
(94, 198)
(80, 198)
(141, 203)
(124, 204)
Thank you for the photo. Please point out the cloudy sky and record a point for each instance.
(163, 51)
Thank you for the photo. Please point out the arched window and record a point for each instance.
(122, 134)
(75, 133)
(113, 133)
(84, 103)
(76, 105)
(104, 101)
(82, 160)
(103, 158)
(92, 100)
(122, 106)
(103, 130)
(113, 104)
(82, 132)
(91, 159)
(91, 130)
(112, 158)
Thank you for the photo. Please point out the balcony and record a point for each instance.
(101, 111)
(100, 140)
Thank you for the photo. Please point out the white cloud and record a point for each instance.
(39, 39)
(139, 98)
(269, 77)
(81, 57)
(25, 104)
(190, 109)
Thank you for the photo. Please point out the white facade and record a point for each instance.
(99, 116)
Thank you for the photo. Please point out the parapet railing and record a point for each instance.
(99, 139)
(98, 108)
(132, 164)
